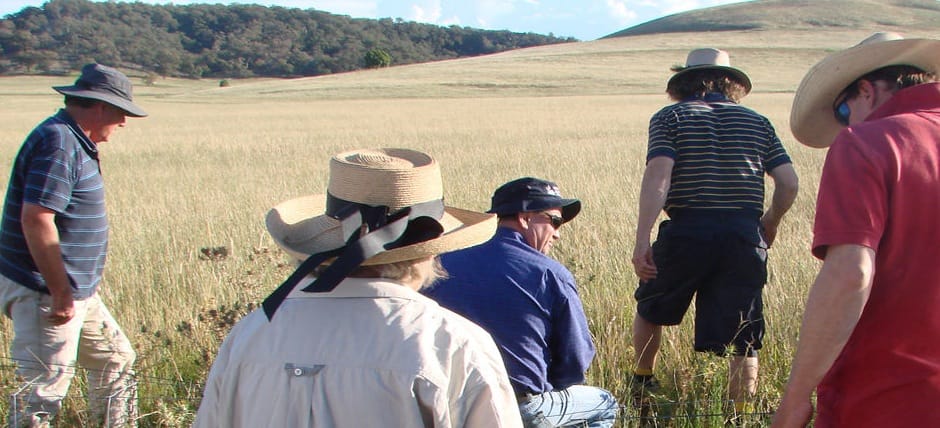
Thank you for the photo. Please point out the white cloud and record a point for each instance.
(453, 20)
(429, 11)
(619, 11)
(496, 8)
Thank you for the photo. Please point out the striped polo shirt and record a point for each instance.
(721, 151)
(57, 168)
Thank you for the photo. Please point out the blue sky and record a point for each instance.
(582, 19)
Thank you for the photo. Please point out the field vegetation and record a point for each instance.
(188, 188)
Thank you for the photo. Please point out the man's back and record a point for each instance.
(528, 302)
(721, 151)
(368, 353)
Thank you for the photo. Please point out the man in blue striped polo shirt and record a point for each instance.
(706, 162)
(53, 244)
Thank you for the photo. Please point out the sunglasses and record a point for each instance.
(842, 111)
(556, 220)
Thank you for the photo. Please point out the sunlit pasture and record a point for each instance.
(188, 188)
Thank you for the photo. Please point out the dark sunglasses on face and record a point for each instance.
(557, 221)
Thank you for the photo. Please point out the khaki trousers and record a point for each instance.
(46, 357)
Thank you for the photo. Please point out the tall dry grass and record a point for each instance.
(200, 172)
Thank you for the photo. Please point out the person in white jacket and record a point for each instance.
(347, 340)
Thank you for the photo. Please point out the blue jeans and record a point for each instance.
(579, 405)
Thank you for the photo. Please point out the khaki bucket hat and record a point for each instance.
(811, 117)
(382, 206)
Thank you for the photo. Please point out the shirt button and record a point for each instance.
(298, 372)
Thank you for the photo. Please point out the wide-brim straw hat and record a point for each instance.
(711, 58)
(812, 120)
(103, 83)
(395, 178)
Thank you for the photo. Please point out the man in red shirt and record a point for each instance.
(868, 343)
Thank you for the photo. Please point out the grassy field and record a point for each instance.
(201, 172)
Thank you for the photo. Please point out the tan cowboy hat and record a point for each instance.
(393, 178)
(711, 58)
(812, 120)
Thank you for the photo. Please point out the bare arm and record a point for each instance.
(42, 238)
(786, 186)
(833, 308)
(656, 181)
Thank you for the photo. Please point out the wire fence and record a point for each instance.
(160, 390)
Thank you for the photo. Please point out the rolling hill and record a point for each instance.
(896, 15)
(778, 40)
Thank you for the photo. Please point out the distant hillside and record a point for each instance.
(897, 15)
(203, 40)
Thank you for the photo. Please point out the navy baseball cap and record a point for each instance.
(532, 194)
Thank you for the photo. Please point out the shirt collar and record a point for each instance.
(358, 287)
(925, 96)
(711, 97)
(89, 146)
(504, 232)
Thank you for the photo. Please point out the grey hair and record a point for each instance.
(408, 271)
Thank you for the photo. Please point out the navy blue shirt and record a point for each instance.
(528, 302)
(57, 168)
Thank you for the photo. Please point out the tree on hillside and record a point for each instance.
(377, 58)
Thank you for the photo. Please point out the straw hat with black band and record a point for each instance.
(382, 206)
(811, 117)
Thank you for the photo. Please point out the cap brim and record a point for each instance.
(128, 107)
(300, 228)
(811, 117)
(570, 209)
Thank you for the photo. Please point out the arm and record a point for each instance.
(487, 399)
(656, 181)
(210, 413)
(42, 238)
(571, 346)
(786, 186)
(833, 308)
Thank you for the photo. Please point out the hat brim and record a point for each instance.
(735, 73)
(811, 117)
(569, 207)
(299, 227)
(129, 108)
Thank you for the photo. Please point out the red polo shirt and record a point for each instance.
(880, 188)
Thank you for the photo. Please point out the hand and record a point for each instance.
(793, 414)
(643, 263)
(770, 232)
(63, 309)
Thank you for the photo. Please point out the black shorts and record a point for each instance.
(724, 266)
